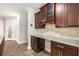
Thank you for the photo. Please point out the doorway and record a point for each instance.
(10, 28)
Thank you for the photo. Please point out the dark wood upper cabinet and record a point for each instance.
(66, 15)
(50, 13)
(47, 13)
(78, 14)
(41, 17)
(43, 14)
(60, 14)
(37, 20)
(72, 14)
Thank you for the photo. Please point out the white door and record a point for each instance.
(10, 29)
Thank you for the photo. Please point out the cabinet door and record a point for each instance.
(43, 12)
(56, 49)
(34, 43)
(37, 44)
(70, 50)
(59, 49)
(50, 13)
(41, 43)
(61, 14)
(72, 15)
(55, 52)
(78, 14)
(37, 20)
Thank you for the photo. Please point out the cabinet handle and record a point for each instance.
(60, 46)
(60, 52)
(65, 22)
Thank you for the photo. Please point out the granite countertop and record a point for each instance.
(58, 38)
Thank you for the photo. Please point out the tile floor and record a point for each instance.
(12, 48)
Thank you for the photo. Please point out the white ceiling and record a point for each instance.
(21, 5)
(14, 7)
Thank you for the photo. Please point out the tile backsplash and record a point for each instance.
(70, 31)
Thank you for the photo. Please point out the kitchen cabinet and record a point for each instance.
(43, 14)
(61, 14)
(37, 44)
(37, 20)
(78, 14)
(2, 47)
(41, 44)
(70, 50)
(50, 13)
(34, 43)
(66, 15)
(72, 10)
(56, 48)
(59, 49)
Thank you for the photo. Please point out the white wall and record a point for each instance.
(23, 27)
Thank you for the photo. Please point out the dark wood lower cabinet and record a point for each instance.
(1, 47)
(34, 44)
(41, 43)
(59, 49)
(70, 51)
(55, 52)
(37, 44)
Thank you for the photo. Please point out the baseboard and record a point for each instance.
(9, 39)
